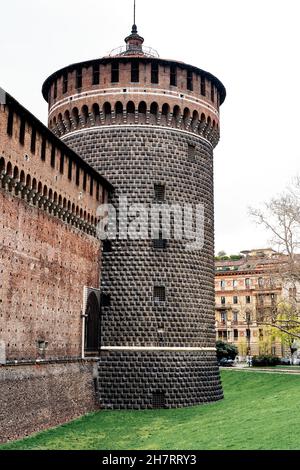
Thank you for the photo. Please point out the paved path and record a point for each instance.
(262, 370)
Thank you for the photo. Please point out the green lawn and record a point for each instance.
(260, 411)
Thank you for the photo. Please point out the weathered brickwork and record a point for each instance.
(36, 397)
(44, 265)
(130, 380)
(49, 253)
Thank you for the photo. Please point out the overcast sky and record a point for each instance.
(252, 46)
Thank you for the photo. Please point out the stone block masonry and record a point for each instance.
(135, 159)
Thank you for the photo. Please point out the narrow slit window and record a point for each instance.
(70, 169)
(53, 156)
(173, 75)
(212, 92)
(154, 73)
(96, 74)
(55, 90)
(77, 175)
(33, 140)
(203, 86)
(190, 80)
(10, 122)
(65, 83)
(43, 149)
(62, 162)
(79, 78)
(115, 73)
(22, 131)
(135, 72)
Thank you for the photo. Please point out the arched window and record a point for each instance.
(130, 107)
(176, 112)
(16, 173)
(107, 109)
(85, 113)
(142, 107)
(9, 170)
(75, 115)
(40, 188)
(67, 117)
(165, 109)
(119, 107)
(28, 181)
(154, 108)
(96, 111)
(2, 165)
(22, 177)
(34, 184)
(45, 191)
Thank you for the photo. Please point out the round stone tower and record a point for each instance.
(149, 125)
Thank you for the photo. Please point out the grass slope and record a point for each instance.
(260, 411)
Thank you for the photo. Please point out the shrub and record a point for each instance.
(265, 360)
(225, 350)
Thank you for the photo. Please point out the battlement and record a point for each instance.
(36, 166)
(134, 90)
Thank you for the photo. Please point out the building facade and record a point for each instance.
(246, 289)
(149, 125)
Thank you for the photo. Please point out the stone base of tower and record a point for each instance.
(158, 379)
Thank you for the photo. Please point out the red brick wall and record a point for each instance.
(36, 397)
(44, 265)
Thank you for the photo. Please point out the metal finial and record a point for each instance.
(134, 10)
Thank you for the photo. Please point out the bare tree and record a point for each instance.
(281, 218)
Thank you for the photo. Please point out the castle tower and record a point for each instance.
(149, 125)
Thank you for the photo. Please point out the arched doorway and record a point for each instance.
(92, 326)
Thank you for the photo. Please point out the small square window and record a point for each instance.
(158, 400)
(107, 246)
(160, 192)
(160, 244)
(159, 294)
(105, 300)
(192, 153)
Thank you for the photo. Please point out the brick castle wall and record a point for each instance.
(36, 397)
(44, 265)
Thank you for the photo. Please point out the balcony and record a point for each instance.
(225, 306)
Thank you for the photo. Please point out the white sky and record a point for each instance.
(252, 46)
